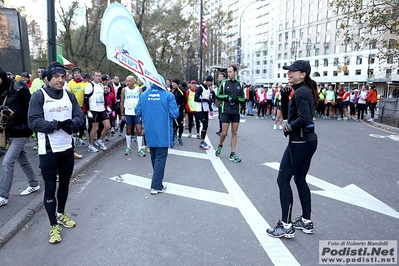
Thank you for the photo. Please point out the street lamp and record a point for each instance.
(239, 34)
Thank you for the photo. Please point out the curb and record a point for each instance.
(9, 229)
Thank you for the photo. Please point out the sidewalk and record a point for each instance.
(20, 209)
(383, 126)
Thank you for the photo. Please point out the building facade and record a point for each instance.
(276, 33)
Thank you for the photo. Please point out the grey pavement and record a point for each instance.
(20, 209)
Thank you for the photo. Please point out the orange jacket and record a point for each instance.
(372, 96)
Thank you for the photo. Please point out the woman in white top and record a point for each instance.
(361, 104)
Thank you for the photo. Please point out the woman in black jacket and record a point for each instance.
(301, 147)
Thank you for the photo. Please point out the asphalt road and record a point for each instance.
(215, 212)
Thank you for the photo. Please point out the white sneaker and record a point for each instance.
(79, 141)
(275, 127)
(280, 127)
(101, 145)
(91, 148)
(29, 190)
(3, 201)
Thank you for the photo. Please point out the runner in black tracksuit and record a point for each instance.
(298, 154)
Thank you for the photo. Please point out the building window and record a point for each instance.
(371, 59)
(318, 39)
(258, 63)
(316, 63)
(388, 73)
(308, 52)
(280, 27)
(346, 73)
(264, 62)
(257, 54)
(328, 26)
(294, 34)
(335, 73)
(301, 33)
(278, 75)
(285, 75)
(265, 53)
(285, 56)
(319, 16)
(292, 55)
(279, 56)
(359, 60)
(390, 59)
(325, 73)
(279, 66)
(317, 51)
(257, 71)
(280, 37)
(391, 44)
(336, 61)
(358, 72)
(310, 30)
(300, 54)
(280, 46)
(264, 71)
(287, 25)
(318, 28)
(326, 62)
(337, 49)
(286, 46)
(373, 44)
(326, 50)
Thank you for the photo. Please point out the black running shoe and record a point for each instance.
(307, 228)
(280, 231)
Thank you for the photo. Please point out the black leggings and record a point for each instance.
(51, 164)
(295, 162)
(204, 118)
(191, 117)
(179, 125)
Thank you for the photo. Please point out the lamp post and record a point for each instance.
(239, 33)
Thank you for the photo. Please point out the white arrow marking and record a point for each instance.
(188, 154)
(351, 194)
(180, 190)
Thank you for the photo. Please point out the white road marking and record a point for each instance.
(274, 247)
(180, 190)
(351, 194)
(197, 155)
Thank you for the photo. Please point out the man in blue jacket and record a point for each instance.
(158, 109)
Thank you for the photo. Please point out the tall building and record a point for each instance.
(276, 33)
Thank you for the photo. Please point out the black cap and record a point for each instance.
(43, 74)
(299, 65)
(76, 69)
(176, 81)
(55, 68)
(105, 77)
(25, 75)
(209, 78)
(86, 76)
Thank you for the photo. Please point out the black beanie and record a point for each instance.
(55, 68)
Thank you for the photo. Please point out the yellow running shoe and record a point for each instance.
(55, 236)
(66, 221)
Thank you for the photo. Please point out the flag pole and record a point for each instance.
(200, 46)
